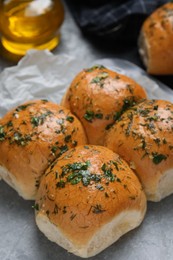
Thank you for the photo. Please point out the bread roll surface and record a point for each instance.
(87, 199)
(97, 96)
(31, 136)
(143, 136)
(155, 41)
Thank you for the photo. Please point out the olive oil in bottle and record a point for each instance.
(30, 24)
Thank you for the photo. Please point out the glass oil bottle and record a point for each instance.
(29, 24)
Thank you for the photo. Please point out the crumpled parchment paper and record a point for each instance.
(42, 75)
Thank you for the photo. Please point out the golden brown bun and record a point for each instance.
(143, 136)
(97, 97)
(155, 41)
(31, 137)
(87, 199)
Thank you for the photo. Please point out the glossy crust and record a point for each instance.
(143, 136)
(87, 199)
(155, 41)
(97, 96)
(31, 137)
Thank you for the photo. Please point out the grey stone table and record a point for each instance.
(19, 237)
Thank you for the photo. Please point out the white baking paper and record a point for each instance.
(40, 74)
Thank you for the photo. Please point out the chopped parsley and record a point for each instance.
(60, 184)
(63, 149)
(74, 143)
(158, 158)
(144, 112)
(97, 209)
(36, 206)
(128, 102)
(108, 172)
(117, 115)
(44, 100)
(99, 115)
(100, 78)
(72, 216)
(130, 88)
(70, 119)
(2, 133)
(89, 115)
(54, 148)
(67, 138)
(20, 139)
(56, 209)
(106, 195)
(99, 187)
(64, 210)
(23, 107)
(78, 172)
(94, 68)
(109, 126)
(39, 120)
(10, 124)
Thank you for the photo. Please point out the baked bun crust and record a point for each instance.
(97, 96)
(143, 136)
(155, 41)
(31, 137)
(87, 199)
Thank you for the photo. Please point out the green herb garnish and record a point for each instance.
(158, 158)
(70, 119)
(39, 120)
(89, 115)
(54, 148)
(36, 206)
(107, 170)
(20, 139)
(10, 124)
(99, 79)
(67, 138)
(97, 209)
(94, 68)
(2, 134)
(99, 115)
(23, 107)
(60, 184)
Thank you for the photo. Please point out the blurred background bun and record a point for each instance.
(155, 41)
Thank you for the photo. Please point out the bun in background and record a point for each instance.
(155, 41)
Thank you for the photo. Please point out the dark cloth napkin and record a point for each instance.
(112, 19)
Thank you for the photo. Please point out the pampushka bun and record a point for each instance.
(31, 136)
(87, 199)
(97, 96)
(155, 41)
(143, 136)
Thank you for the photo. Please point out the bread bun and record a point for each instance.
(31, 137)
(87, 199)
(97, 96)
(155, 41)
(143, 136)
